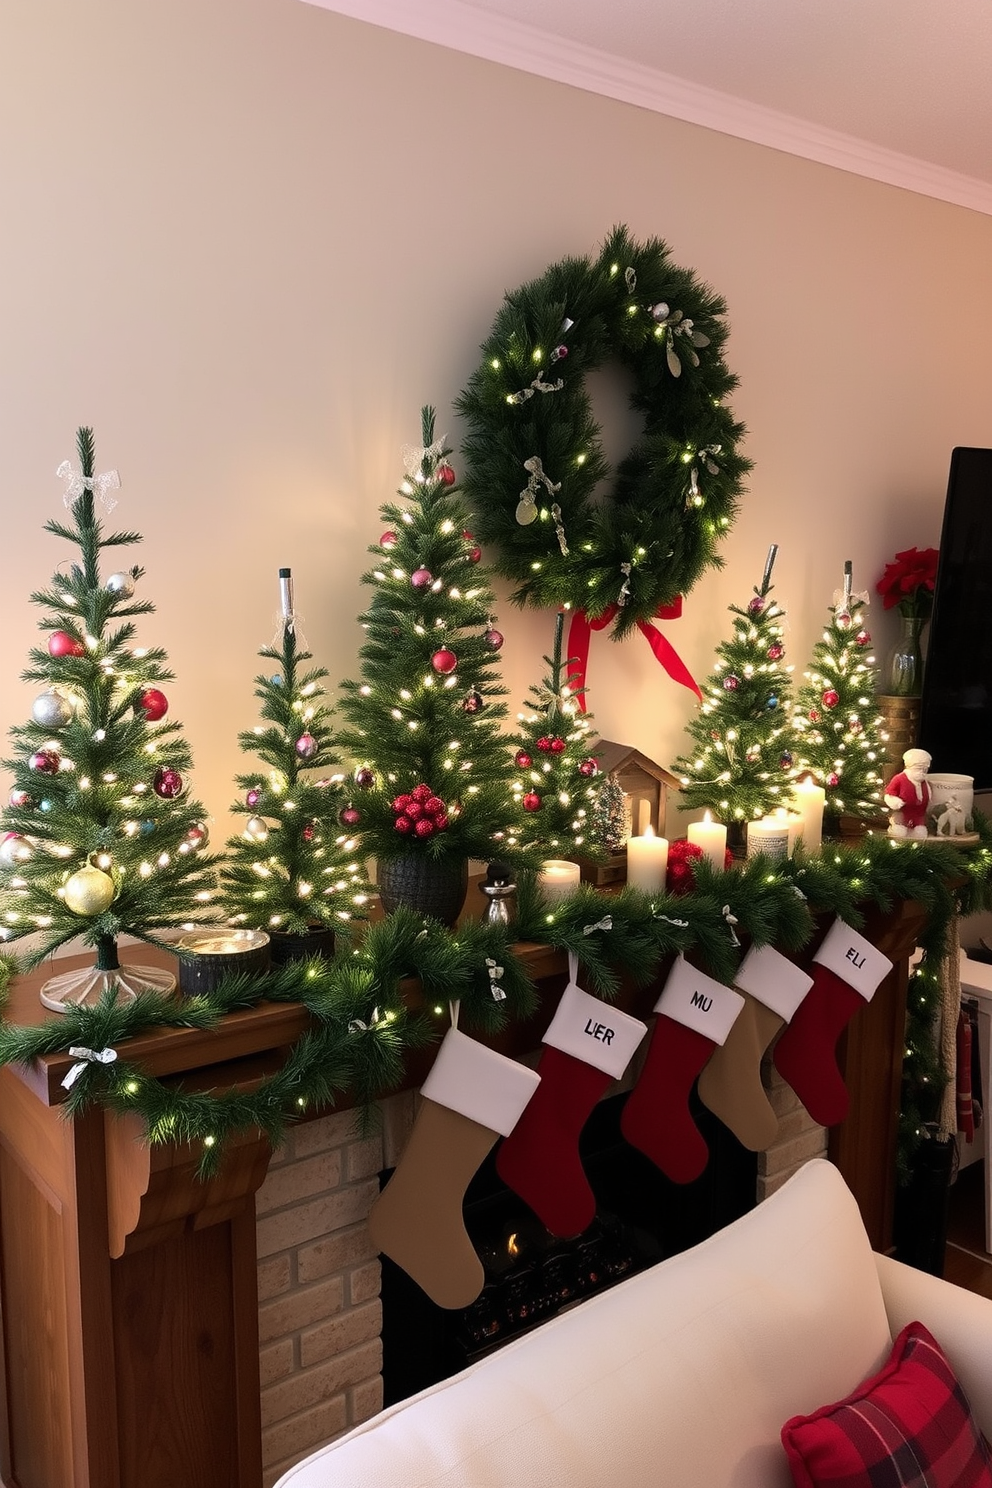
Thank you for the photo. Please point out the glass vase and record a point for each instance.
(904, 670)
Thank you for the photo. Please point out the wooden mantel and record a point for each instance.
(129, 1345)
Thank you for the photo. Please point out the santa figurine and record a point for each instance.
(907, 796)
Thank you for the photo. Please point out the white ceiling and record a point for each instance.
(898, 90)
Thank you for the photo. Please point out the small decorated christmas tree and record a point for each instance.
(102, 839)
(609, 817)
(292, 871)
(433, 776)
(557, 787)
(740, 767)
(837, 727)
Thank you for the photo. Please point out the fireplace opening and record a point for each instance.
(642, 1217)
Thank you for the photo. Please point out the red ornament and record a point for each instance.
(856, 726)
(559, 353)
(424, 827)
(197, 836)
(863, 638)
(473, 702)
(446, 474)
(45, 762)
(680, 875)
(168, 783)
(557, 745)
(833, 778)
(756, 605)
(414, 810)
(522, 760)
(814, 715)
(441, 820)
(253, 797)
(421, 578)
(309, 832)
(21, 800)
(403, 824)
(842, 620)
(731, 683)
(544, 744)
(474, 555)
(153, 704)
(434, 806)
(388, 540)
(61, 643)
(776, 652)
(493, 638)
(444, 661)
(365, 777)
(400, 804)
(588, 767)
(350, 816)
(306, 746)
(831, 698)
(531, 801)
(421, 793)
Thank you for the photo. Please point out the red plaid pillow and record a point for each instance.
(909, 1426)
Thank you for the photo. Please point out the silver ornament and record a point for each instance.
(121, 585)
(256, 829)
(52, 709)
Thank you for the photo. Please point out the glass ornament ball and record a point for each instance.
(121, 586)
(168, 783)
(756, 605)
(252, 798)
(276, 679)
(306, 746)
(493, 638)
(557, 745)
(559, 353)
(544, 744)
(256, 829)
(842, 620)
(44, 805)
(147, 827)
(588, 767)
(863, 638)
(830, 697)
(309, 832)
(421, 578)
(21, 800)
(731, 683)
(403, 825)
(531, 801)
(522, 760)
(772, 703)
(776, 651)
(61, 643)
(474, 702)
(444, 661)
(813, 715)
(89, 892)
(365, 777)
(198, 836)
(349, 816)
(44, 762)
(154, 704)
(785, 759)
(51, 709)
(424, 827)
(388, 540)
(833, 778)
(445, 474)
(14, 849)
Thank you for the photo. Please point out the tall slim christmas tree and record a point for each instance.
(740, 767)
(557, 786)
(292, 871)
(102, 838)
(839, 732)
(434, 772)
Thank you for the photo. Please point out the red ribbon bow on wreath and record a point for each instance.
(580, 633)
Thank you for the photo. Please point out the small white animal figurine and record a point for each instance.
(951, 822)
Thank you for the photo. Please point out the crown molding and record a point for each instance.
(450, 23)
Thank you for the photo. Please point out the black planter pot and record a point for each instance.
(286, 948)
(434, 887)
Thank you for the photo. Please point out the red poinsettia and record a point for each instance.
(908, 582)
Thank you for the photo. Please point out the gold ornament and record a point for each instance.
(89, 891)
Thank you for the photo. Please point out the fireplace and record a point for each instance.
(641, 1218)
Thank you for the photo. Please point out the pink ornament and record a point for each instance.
(833, 778)
(444, 661)
(446, 474)
(424, 827)
(400, 804)
(253, 797)
(863, 638)
(350, 816)
(473, 702)
(441, 821)
(559, 353)
(168, 783)
(306, 746)
(531, 801)
(588, 767)
(60, 643)
(309, 832)
(756, 605)
(776, 652)
(421, 792)
(434, 806)
(21, 800)
(731, 683)
(197, 836)
(365, 777)
(842, 620)
(415, 810)
(403, 824)
(421, 578)
(493, 639)
(522, 760)
(153, 704)
(830, 698)
(388, 540)
(814, 715)
(45, 762)
(856, 726)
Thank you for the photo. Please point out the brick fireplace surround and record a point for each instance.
(318, 1276)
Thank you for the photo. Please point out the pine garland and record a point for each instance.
(364, 1020)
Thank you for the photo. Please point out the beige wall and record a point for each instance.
(247, 239)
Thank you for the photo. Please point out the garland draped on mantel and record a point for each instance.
(365, 1014)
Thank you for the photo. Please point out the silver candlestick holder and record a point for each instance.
(499, 889)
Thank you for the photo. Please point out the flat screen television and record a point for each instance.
(956, 706)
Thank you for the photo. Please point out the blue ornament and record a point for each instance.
(772, 702)
(147, 828)
(44, 805)
(276, 679)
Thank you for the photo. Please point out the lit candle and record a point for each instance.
(770, 836)
(711, 836)
(556, 879)
(808, 799)
(647, 861)
(209, 955)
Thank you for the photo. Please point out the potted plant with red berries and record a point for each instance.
(432, 783)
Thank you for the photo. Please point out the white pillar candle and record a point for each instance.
(647, 861)
(711, 836)
(556, 879)
(770, 836)
(808, 799)
(793, 821)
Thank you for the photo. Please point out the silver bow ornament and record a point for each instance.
(100, 485)
(606, 923)
(731, 920)
(704, 457)
(537, 386)
(495, 974)
(86, 1057)
(413, 458)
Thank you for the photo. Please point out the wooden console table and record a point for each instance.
(128, 1291)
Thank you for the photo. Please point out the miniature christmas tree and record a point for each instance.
(837, 727)
(556, 789)
(102, 839)
(432, 784)
(740, 768)
(292, 871)
(610, 820)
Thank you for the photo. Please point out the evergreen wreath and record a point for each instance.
(533, 452)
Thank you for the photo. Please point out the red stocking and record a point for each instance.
(848, 971)
(588, 1044)
(695, 1015)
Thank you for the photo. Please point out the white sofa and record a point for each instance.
(681, 1377)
